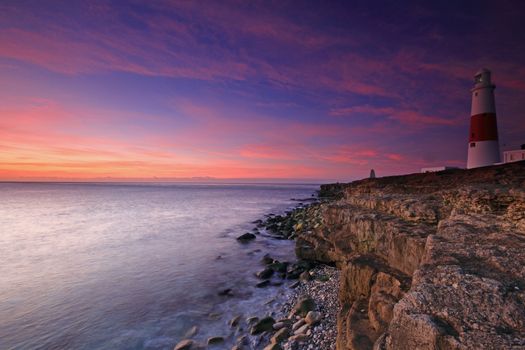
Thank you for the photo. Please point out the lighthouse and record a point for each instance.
(483, 147)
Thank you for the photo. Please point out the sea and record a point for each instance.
(134, 265)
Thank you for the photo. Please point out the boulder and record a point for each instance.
(263, 284)
(313, 317)
(302, 329)
(305, 276)
(185, 344)
(273, 346)
(225, 292)
(298, 324)
(267, 259)
(252, 320)
(303, 306)
(263, 325)
(280, 336)
(215, 340)
(234, 322)
(264, 274)
(278, 325)
(299, 338)
(244, 238)
(278, 266)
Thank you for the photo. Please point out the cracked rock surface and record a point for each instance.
(427, 261)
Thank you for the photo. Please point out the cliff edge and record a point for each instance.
(428, 261)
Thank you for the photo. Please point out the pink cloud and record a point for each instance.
(408, 117)
(395, 156)
(265, 152)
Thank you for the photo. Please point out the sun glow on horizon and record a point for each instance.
(174, 90)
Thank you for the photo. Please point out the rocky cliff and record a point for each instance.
(428, 261)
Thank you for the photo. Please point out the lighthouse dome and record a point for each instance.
(482, 78)
(482, 70)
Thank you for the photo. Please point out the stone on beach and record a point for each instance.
(302, 329)
(273, 346)
(252, 320)
(303, 306)
(313, 317)
(278, 325)
(263, 284)
(263, 325)
(184, 345)
(298, 324)
(280, 336)
(244, 238)
(278, 266)
(264, 274)
(215, 340)
(298, 338)
(267, 259)
(225, 292)
(234, 322)
(305, 276)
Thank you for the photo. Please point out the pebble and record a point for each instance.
(302, 329)
(278, 325)
(234, 322)
(298, 324)
(322, 335)
(215, 340)
(313, 317)
(184, 345)
(280, 336)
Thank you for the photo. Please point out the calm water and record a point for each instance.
(121, 266)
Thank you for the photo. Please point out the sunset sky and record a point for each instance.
(321, 90)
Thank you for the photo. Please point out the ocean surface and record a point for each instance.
(132, 266)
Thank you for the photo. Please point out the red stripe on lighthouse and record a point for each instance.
(483, 127)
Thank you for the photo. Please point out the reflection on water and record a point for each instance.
(129, 266)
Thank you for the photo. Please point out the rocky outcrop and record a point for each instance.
(428, 261)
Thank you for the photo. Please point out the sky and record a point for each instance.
(309, 90)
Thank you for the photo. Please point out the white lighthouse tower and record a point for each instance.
(483, 148)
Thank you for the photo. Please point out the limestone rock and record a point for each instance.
(428, 261)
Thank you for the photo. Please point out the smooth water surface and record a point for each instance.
(130, 266)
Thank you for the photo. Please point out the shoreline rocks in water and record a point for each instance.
(246, 237)
(424, 261)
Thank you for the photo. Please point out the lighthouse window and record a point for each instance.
(472, 144)
(476, 94)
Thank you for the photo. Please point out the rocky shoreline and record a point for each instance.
(306, 319)
(422, 261)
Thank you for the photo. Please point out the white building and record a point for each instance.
(437, 168)
(514, 156)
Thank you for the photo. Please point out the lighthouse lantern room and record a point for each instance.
(483, 148)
